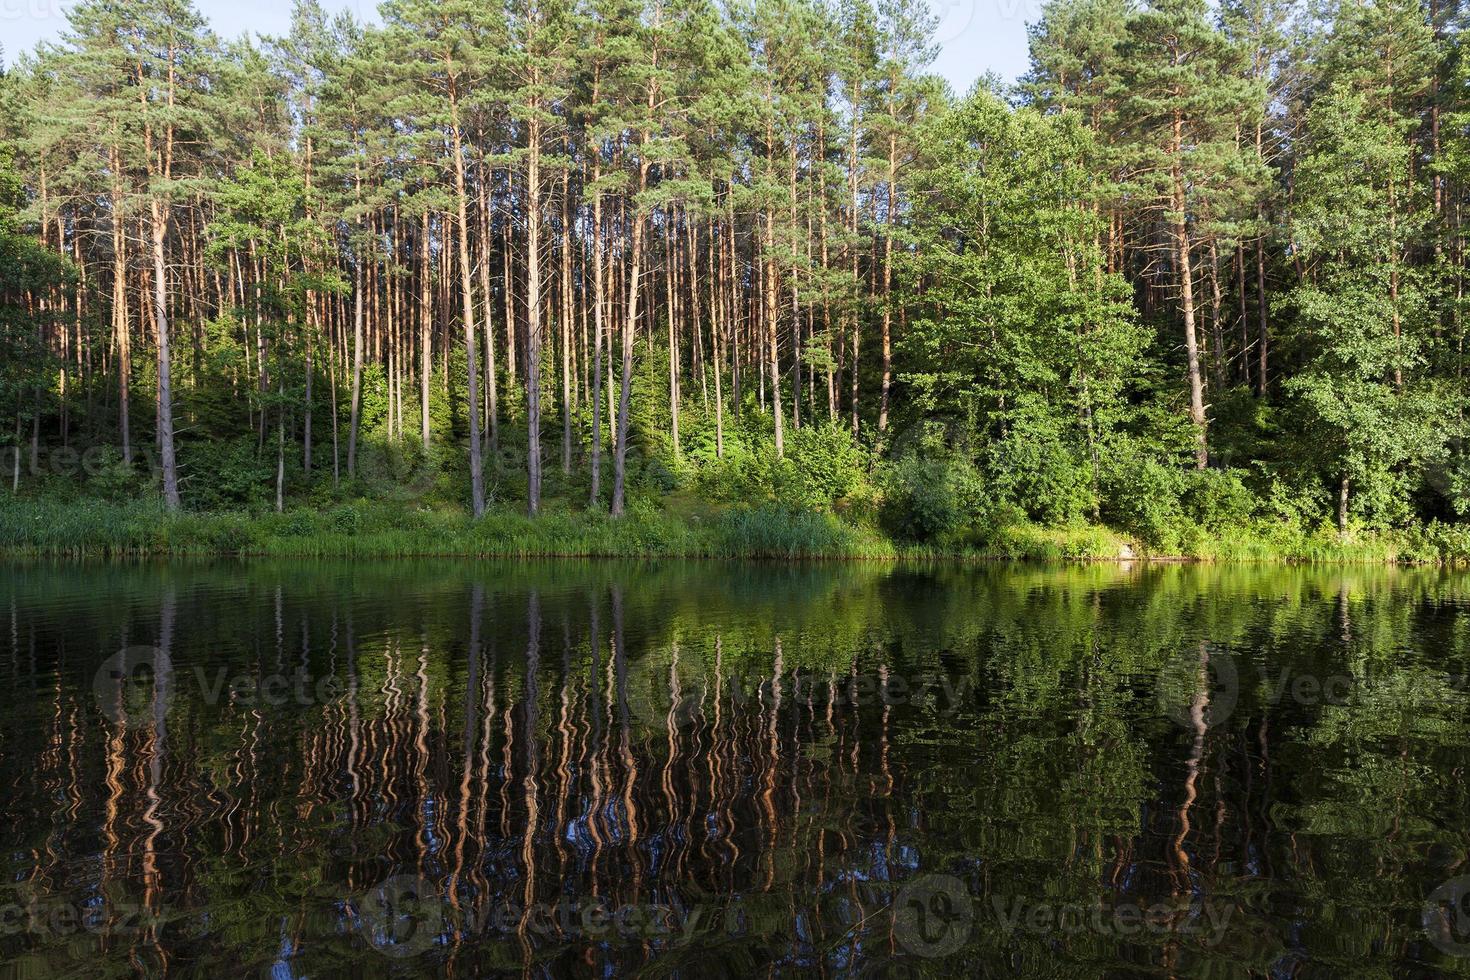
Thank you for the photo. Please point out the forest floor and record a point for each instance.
(677, 526)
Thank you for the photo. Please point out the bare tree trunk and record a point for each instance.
(426, 329)
(492, 379)
(281, 449)
(355, 410)
(772, 359)
(466, 287)
(165, 393)
(670, 264)
(565, 324)
(533, 314)
(1217, 332)
(597, 335)
(888, 285)
(1186, 300)
(120, 314)
(1262, 314)
(716, 341)
(630, 319)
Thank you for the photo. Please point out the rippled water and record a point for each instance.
(710, 769)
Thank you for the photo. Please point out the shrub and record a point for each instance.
(1144, 497)
(109, 477)
(931, 499)
(1034, 466)
(297, 524)
(1218, 499)
(346, 520)
(226, 474)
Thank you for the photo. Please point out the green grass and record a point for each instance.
(93, 528)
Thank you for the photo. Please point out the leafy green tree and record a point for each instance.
(1366, 408)
(1022, 346)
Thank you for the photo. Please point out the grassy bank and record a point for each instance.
(40, 528)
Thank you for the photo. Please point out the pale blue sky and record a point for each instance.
(976, 36)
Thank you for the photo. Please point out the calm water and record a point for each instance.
(596, 769)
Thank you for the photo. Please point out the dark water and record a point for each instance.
(578, 769)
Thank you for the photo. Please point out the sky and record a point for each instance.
(975, 36)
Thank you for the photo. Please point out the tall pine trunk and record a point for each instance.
(1186, 301)
(467, 299)
(165, 391)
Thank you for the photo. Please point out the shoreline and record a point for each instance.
(40, 529)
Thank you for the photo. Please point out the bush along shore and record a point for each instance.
(374, 529)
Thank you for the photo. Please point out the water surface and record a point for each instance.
(703, 769)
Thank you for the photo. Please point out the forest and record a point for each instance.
(1197, 278)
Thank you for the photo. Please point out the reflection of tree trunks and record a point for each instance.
(471, 714)
(773, 746)
(486, 735)
(1198, 711)
(671, 733)
(565, 733)
(153, 888)
(354, 738)
(530, 784)
(630, 807)
(594, 707)
(426, 803)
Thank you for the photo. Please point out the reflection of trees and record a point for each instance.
(695, 735)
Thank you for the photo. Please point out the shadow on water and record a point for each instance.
(597, 768)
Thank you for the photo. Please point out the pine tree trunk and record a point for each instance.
(492, 368)
(426, 329)
(356, 408)
(596, 491)
(466, 286)
(1191, 338)
(120, 315)
(630, 319)
(533, 315)
(565, 324)
(888, 286)
(165, 393)
(1262, 315)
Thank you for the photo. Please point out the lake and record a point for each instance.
(706, 769)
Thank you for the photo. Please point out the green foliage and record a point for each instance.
(1144, 497)
(110, 478)
(931, 499)
(228, 474)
